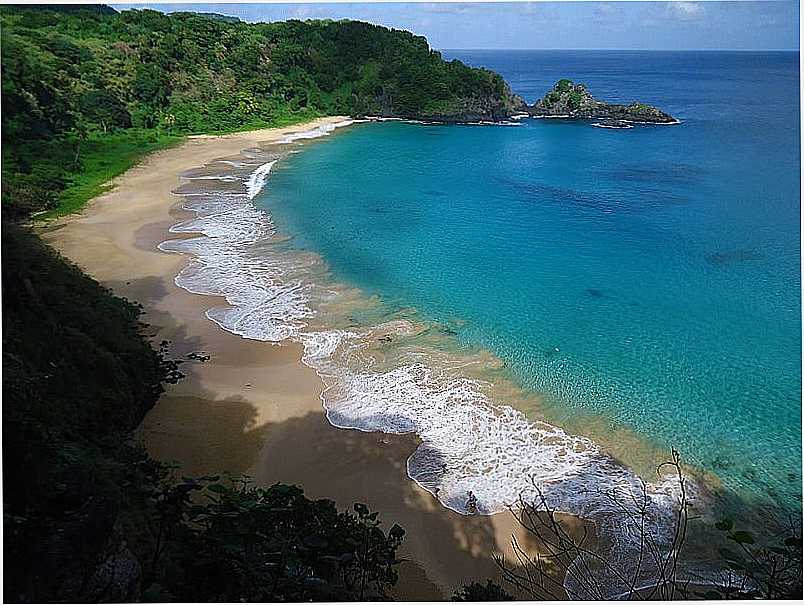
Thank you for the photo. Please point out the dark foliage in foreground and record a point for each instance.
(253, 544)
(77, 378)
(476, 591)
(759, 571)
(748, 569)
(88, 516)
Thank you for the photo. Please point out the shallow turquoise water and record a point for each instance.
(650, 275)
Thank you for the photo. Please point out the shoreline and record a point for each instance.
(254, 407)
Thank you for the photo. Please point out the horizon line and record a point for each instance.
(648, 50)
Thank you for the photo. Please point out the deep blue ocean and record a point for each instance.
(648, 277)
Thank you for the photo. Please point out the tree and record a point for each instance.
(151, 85)
(481, 592)
(104, 108)
(577, 562)
(772, 571)
(254, 544)
(579, 569)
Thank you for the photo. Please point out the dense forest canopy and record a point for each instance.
(190, 72)
(74, 74)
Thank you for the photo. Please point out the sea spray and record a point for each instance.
(257, 180)
(469, 442)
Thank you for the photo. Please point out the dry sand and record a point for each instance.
(254, 408)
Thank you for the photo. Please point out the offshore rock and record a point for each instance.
(573, 101)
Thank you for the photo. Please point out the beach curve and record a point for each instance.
(254, 407)
(471, 444)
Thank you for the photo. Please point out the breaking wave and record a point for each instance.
(380, 378)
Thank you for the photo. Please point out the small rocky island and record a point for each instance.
(572, 101)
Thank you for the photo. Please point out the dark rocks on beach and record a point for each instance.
(201, 356)
(573, 101)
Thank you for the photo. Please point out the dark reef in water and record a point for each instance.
(727, 257)
(573, 101)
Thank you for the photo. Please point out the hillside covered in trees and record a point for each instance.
(75, 74)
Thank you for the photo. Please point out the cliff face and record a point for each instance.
(477, 108)
(489, 99)
(574, 101)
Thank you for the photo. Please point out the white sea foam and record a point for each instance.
(256, 182)
(441, 123)
(612, 126)
(469, 442)
(490, 123)
(673, 123)
(320, 131)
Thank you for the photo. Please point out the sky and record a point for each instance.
(683, 25)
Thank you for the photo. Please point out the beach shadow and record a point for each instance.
(442, 549)
(351, 466)
(206, 433)
(146, 291)
(202, 432)
(157, 325)
(203, 435)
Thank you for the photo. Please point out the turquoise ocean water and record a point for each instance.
(648, 277)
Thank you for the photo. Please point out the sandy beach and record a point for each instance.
(253, 407)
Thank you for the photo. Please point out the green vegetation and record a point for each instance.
(490, 591)
(77, 378)
(575, 99)
(266, 545)
(563, 85)
(102, 158)
(75, 78)
(88, 516)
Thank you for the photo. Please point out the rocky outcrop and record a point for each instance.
(566, 100)
(478, 109)
(573, 101)
(485, 104)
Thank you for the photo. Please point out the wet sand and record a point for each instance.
(253, 407)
